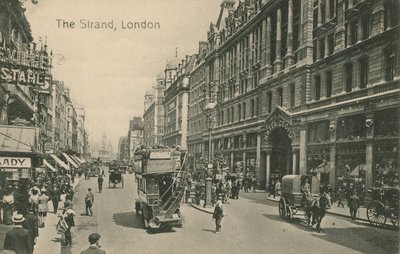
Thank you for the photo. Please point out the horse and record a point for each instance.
(318, 209)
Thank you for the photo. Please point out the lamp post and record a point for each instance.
(208, 108)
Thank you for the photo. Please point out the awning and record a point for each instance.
(48, 165)
(78, 159)
(356, 170)
(18, 139)
(70, 160)
(60, 162)
(322, 168)
(75, 160)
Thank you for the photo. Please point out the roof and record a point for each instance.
(18, 139)
(172, 63)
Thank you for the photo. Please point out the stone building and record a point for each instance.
(135, 135)
(176, 103)
(307, 86)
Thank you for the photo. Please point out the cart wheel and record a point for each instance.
(376, 213)
(289, 214)
(282, 208)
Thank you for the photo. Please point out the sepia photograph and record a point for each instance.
(199, 126)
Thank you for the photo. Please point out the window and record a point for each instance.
(314, 50)
(233, 114)
(331, 44)
(315, 17)
(365, 27)
(317, 94)
(252, 108)
(228, 113)
(328, 84)
(348, 72)
(390, 64)
(323, 8)
(353, 32)
(363, 72)
(321, 46)
(244, 110)
(280, 94)
(255, 79)
(240, 112)
(292, 94)
(332, 8)
(269, 101)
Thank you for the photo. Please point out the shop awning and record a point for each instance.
(79, 159)
(356, 170)
(75, 160)
(18, 139)
(49, 166)
(60, 162)
(70, 160)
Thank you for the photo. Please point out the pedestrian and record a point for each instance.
(55, 198)
(18, 239)
(33, 200)
(89, 200)
(272, 189)
(31, 224)
(100, 181)
(278, 188)
(340, 196)
(354, 204)
(8, 202)
(70, 193)
(43, 207)
(254, 183)
(68, 215)
(217, 216)
(94, 247)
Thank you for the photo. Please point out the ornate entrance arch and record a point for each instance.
(281, 135)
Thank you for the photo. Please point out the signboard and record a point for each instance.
(15, 162)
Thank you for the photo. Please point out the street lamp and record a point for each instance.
(208, 109)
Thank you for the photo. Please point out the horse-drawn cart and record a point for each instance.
(291, 201)
(115, 178)
(384, 206)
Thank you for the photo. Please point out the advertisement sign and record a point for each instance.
(15, 162)
(22, 75)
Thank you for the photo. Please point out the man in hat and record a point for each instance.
(94, 247)
(31, 224)
(18, 239)
(68, 214)
(89, 200)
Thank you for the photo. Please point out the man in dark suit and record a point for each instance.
(94, 247)
(18, 239)
(31, 224)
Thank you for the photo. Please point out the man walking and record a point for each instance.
(18, 239)
(89, 200)
(68, 215)
(354, 204)
(31, 224)
(100, 181)
(272, 189)
(55, 198)
(94, 247)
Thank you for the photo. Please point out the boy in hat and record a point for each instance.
(94, 247)
(18, 239)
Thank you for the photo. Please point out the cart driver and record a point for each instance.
(306, 189)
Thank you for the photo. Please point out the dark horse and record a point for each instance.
(318, 209)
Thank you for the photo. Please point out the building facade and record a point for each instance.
(123, 149)
(306, 86)
(135, 135)
(176, 104)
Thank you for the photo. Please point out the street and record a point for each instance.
(251, 225)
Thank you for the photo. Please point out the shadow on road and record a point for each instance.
(273, 217)
(130, 220)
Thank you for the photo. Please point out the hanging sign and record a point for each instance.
(15, 162)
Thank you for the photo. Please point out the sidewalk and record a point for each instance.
(339, 211)
(49, 242)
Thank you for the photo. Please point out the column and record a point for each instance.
(332, 165)
(212, 149)
(289, 55)
(368, 165)
(244, 161)
(268, 64)
(326, 49)
(268, 169)
(359, 30)
(303, 150)
(258, 158)
(278, 65)
(301, 23)
(263, 48)
(232, 160)
(294, 161)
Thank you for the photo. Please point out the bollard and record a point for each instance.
(207, 199)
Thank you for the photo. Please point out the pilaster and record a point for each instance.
(278, 64)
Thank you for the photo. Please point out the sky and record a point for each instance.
(108, 71)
